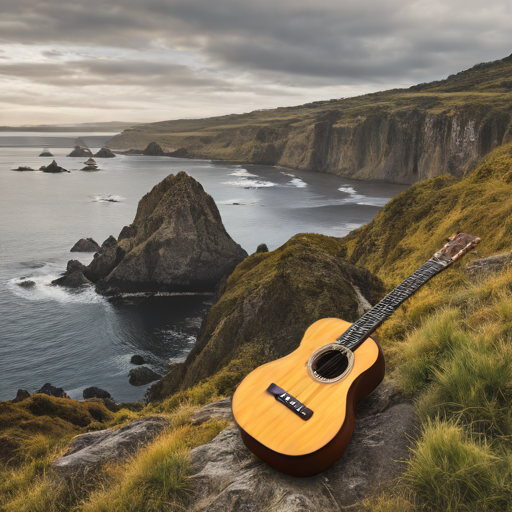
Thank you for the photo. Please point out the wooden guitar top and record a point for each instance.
(275, 426)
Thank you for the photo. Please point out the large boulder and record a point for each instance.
(153, 149)
(267, 304)
(177, 243)
(80, 151)
(73, 277)
(91, 450)
(95, 392)
(48, 389)
(85, 245)
(142, 375)
(105, 153)
(226, 476)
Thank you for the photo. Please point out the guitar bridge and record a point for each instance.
(289, 401)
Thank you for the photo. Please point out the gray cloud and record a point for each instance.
(354, 40)
(239, 54)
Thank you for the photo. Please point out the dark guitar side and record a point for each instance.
(316, 462)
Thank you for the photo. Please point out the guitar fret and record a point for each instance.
(372, 319)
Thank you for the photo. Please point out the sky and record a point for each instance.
(66, 62)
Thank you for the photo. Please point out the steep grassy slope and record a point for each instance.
(399, 135)
(412, 226)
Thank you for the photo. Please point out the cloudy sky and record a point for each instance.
(64, 61)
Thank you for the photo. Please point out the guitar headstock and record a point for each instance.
(458, 245)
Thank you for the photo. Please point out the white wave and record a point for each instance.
(43, 290)
(107, 199)
(298, 183)
(247, 183)
(236, 202)
(243, 173)
(347, 190)
(376, 201)
(354, 197)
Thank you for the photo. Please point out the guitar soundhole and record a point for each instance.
(330, 364)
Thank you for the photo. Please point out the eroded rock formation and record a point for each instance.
(53, 168)
(85, 245)
(95, 448)
(153, 149)
(104, 153)
(176, 243)
(73, 277)
(80, 151)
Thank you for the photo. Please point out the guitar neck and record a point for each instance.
(457, 246)
(373, 318)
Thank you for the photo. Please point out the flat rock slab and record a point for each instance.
(110, 445)
(490, 265)
(220, 410)
(227, 476)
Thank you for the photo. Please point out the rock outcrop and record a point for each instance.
(53, 168)
(179, 153)
(177, 243)
(268, 303)
(226, 476)
(94, 392)
(48, 389)
(21, 395)
(27, 283)
(73, 277)
(104, 260)
(80, 151)
(93, 449)
(85, 245)
(153, 149)
(104, 153)
(137, 359)
(142, 375)
(46, 153)
(490, 265)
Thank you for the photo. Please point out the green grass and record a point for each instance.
(156, 479)
(451, 472)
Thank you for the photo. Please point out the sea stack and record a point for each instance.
(153, 149)
(104, 153)
(176, 243)
(53, 168)
(46, 152)
(80, 151)
(90, 165)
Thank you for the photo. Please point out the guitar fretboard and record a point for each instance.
(372, 319)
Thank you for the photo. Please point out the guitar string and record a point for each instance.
(373, 318)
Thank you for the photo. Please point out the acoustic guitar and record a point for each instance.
(297, 413)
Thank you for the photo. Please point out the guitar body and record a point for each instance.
(282, 438)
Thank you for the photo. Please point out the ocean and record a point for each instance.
(79, 339)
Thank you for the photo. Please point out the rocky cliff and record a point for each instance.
(267, 305)
(402, 136)
(176, 243)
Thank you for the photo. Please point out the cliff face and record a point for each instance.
(401, 136)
